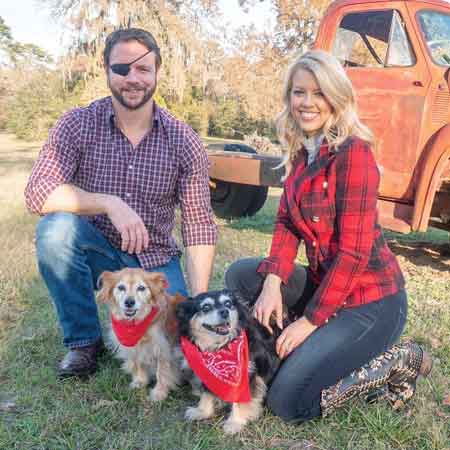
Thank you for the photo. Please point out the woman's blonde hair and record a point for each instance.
(338, 91)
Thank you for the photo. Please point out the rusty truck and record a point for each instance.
(397, 54)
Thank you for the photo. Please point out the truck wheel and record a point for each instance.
(231, 200)
(259, 198)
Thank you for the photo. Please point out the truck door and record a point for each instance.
(384, 61)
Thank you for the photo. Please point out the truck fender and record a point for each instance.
(431, 167)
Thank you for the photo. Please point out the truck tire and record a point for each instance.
(232, 200)
(259, 198)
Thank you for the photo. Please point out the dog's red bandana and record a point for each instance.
(225, 371)
(129, 332)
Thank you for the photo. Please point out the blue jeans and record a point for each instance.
(348, 341)
(72, 253)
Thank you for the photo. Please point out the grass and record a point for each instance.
(37, 412)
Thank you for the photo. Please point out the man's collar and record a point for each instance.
(110, 114)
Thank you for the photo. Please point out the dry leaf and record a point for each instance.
(7, 405)
(28, 338)
(446, 401)
(435, 343)
(442, 414)
(104, 404)
(303, 445)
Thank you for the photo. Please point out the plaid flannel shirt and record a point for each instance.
(169, 167)
(331, 206)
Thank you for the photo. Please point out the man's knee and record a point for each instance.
(55, 231)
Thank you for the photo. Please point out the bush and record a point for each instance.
(36, 105)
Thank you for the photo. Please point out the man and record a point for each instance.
(107, 182)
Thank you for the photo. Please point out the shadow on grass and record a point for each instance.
(263, 221)
(429, 249)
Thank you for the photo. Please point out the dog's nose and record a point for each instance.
(129, 302)
(224, 313)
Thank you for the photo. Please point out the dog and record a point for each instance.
(143, 324)
(230, 356)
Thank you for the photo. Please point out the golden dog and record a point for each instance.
(142, 327)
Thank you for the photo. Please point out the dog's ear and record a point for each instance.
(156, 281)
(243, 307)
(238, 298)
(105, 285)
(239, 301)
(174, 300)
(172, 323)
(185, 310)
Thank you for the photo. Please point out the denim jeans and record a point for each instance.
(346, 342)
(71, 254)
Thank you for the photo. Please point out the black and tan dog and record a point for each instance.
(231, 354)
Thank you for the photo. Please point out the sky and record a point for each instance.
(30, 22)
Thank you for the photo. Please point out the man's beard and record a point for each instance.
(119, 97)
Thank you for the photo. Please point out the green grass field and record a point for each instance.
(39, 412)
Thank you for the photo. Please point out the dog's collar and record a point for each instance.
(225, 371)
(129, 332)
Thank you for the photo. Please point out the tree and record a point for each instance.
(16, 54)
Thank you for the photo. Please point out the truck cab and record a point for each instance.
(397, 54)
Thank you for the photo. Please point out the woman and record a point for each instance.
(349, 304)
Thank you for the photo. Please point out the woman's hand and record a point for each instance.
(294, 335)
(270, 301)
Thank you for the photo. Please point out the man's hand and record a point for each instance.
(294, 335)
(132, 229)
(69, 198)
(269, 302)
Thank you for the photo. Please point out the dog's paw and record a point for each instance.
(157, 395)
(194, 413)
(196, 391)
(232, 427)
(137, 384)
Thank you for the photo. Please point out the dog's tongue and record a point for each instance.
(223, 328)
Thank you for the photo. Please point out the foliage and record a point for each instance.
(224, 118)
(36, 105)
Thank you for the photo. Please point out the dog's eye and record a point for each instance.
(121, 288)
(141, 288)
(228, 304)
(206, 308)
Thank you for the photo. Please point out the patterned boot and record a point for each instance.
(392, 375)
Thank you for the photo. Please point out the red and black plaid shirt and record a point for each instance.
(331, 206)
(169, 166)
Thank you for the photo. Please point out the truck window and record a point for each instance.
(435, 27)
(373, 39)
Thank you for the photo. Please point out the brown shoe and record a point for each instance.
(81, 361)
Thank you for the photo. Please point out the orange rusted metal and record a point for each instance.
(244, 168)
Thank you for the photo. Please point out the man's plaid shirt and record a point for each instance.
(331, 206)
(169, 166)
